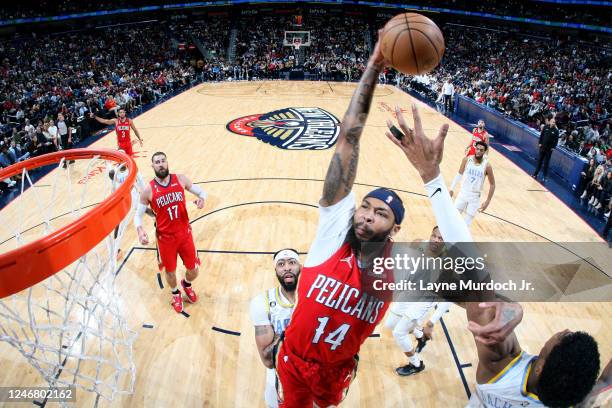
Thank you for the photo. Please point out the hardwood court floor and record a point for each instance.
(262, 198)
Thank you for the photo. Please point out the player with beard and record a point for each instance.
(166, 196)
(271, 312)
(338, 307)
(475, 169)
(479, 134)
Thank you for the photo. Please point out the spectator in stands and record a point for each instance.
(5, 161)
(606, 192)
(571, 142)
(64, 132)
(35, 148)
(28, 128)
(585, 178)
(16, 153)
(53, 135)
(111, 105)
(591, 135)
(594, 187)
(549, 136)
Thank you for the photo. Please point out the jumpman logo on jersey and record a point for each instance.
(347, 260)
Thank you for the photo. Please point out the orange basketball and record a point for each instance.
(412, 43)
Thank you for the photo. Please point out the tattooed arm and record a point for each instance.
(265, 338)
(343, 167)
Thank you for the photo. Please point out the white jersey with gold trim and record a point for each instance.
(508, 388)
(473, 176)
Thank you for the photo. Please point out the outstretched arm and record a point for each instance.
(425, 155)
(101, 120)
(343, 166)
(491, 188)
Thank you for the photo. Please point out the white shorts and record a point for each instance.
(270, 393)
(413, 311)
(468, 203)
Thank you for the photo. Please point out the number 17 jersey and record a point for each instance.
(168, 204)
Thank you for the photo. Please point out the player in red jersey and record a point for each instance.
(479, 133)
(316, 358)
(166, 196)
(123, 124)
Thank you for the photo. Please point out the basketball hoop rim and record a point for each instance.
(32, 263)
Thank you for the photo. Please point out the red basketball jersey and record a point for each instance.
(168, 204)
(336, 309)
(477, 135)
(122, 128)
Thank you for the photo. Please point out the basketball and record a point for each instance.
(412, 43)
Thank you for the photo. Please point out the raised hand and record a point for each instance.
(507, 317)
(377, 57)
(424, 153)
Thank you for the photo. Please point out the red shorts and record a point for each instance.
(471, 151)
(300, 383)
(127, 148)
(170, 246)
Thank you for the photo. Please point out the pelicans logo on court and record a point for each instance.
(290, 128)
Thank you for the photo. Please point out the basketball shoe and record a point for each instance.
(409, 369)
(177, 302)
(191, 295)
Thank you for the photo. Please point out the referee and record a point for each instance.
(448, 90)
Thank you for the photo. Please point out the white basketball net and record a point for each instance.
(70, 327)
(297, 43)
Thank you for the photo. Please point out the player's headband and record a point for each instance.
(392, 200)
(286, 254)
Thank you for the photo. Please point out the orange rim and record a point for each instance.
(32, 263)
